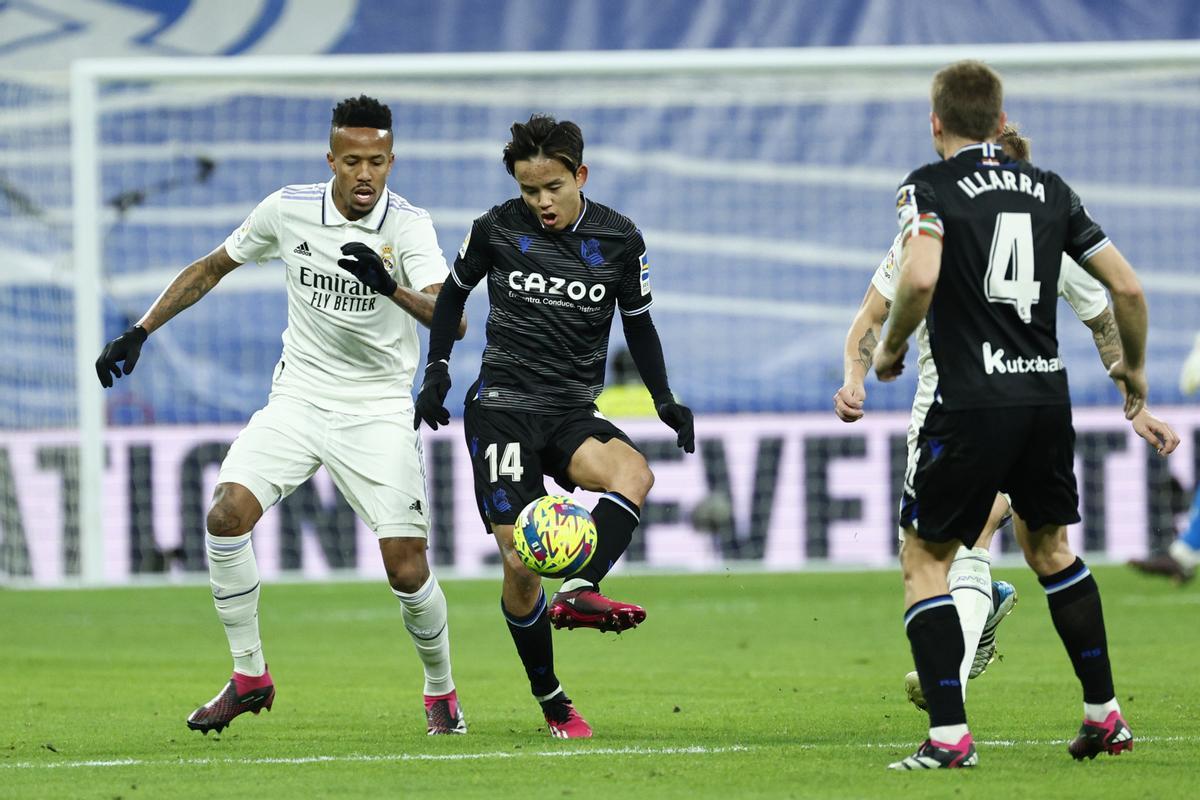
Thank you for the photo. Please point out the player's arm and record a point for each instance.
(920, 266)
(473, 262)
(646, 349)
(1157, 432)
(861, 339)
(421, 304)
(193, 282)
(1109, 267)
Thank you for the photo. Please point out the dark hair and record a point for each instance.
(545, 136)
(361, 112)
(968, 98)
(1013, 143)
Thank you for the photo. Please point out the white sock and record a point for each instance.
(233, 573)
(424, 613)
(948, 734)
(571, 584)
(970, 580)
(1098, 712)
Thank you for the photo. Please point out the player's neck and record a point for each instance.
(952, 144)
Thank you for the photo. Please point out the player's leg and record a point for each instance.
(601, 459)
(935, 636)
(982, 602)
(504, 484)
(1046, 500)
(1078, 616)
(377, 464)
(950, 488)
(1186, 549)
(523, 603)
(1182, 558)
(270, 457)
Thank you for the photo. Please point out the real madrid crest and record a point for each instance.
(388, 261)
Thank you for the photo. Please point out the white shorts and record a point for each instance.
(375, 462)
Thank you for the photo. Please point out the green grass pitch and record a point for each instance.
(738, 686)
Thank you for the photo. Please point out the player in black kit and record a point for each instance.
(988, 233)
(557, 264)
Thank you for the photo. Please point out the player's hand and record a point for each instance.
(680, 418)
(368, 267)
(848, 402)
(1161, 436)
(125, 348)
(430, 405)
(888, 364)
(1136, 387)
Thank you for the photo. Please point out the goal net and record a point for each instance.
(763, 182)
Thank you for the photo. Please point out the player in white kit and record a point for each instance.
(363, 265)
(981, 602)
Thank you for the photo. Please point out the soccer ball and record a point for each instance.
(555, 536)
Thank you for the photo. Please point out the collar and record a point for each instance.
(373, 221)
(987, 150)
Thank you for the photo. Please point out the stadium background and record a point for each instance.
(764, 219)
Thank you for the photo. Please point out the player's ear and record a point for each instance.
(581, 176)
(935, 125)
(329, 158)
(1000, 127)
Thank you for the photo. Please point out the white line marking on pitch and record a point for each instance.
(358, 758)
(504, 754)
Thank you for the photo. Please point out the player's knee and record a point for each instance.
(408, 576)
(637, 480)
(225, 520)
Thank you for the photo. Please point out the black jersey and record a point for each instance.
(1004, 226)
(552, 297)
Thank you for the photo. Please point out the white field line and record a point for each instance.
(361, 758)
(357, 758)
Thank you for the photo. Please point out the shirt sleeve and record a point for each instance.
(633, 293)
(1085, 238)
(258, 237)
(887, 275)
(474, 255)
(1084, 293)
(421, 260)
(918, 212)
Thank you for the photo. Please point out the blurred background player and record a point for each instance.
(1001, 415)
(982, 603)
(625, 396)
(341, 395)
(557, 266)
(1182, 558)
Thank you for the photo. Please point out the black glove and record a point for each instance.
(368, 267)
(430, 399)
(680, 418)
(127, 348)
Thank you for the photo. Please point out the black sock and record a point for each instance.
(531, 635)
(615, 516)
(935, 634)
(1079, 619)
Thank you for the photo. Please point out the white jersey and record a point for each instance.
(345, 348)
(1083, 292)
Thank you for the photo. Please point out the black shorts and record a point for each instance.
(966, 457)
(511, 451)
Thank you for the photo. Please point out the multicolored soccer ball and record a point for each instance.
(555, 536)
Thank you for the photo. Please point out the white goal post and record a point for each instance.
(98, 87)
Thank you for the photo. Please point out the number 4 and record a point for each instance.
(1012, 245)
(509, 463)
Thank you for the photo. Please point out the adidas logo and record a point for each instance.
(302, 249)
(416, 506)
